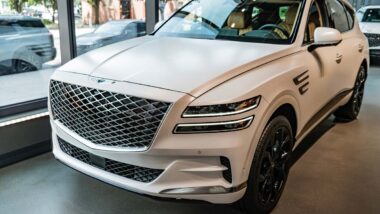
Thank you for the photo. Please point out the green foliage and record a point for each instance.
(17, 4)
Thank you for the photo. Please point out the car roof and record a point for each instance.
(18, 17)
(370, 7)
(127, 21)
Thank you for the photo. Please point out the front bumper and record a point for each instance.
(191, 163)
(374, 52)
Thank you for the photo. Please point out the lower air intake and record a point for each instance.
(132, 172)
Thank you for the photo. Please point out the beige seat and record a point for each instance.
(239, 20)
(289, 21)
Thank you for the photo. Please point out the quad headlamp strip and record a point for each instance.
(218, 111)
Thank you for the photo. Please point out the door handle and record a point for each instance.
(338, 58)
(360, 48)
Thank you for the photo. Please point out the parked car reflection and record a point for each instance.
(110, 32)
(26, 44)
(369, 18)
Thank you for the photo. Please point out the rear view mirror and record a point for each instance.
(324, 36)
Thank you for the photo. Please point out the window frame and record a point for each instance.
(331, 22)
(290, 41)
(68, 51)
(324, 20)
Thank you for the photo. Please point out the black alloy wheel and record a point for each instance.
(270, 167)
(358, 92)
(21, 66)
(351, 110)
(273, 168)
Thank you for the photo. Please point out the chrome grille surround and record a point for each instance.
(132, 172)
(373, 39)
(108, 119)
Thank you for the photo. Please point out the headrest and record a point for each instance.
(291, 14)
(237, 20)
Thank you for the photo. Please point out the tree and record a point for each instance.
(50, 4)
(17, 5)
(96, 5)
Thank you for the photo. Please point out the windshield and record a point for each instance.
(115, 28)
(271, 21)
(372, 15)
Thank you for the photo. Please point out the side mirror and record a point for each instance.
(324, 36)
(158, 25)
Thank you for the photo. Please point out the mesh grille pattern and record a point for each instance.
(373, 39)
(136, 173)
(107, 118)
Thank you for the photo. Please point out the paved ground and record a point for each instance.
(336, 170)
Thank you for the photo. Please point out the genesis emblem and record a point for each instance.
(101, 81)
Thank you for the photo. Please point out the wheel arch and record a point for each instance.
(288, 111)
(366, 66)
(284, 104)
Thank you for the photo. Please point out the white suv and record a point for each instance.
(369, 22)
(211, 105)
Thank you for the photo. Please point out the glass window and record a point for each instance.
(314, 21)
(29, 51)
(232, 20)
(101, 23)
(169, 7)
(360, 14)
(372, 15)
(350, 17)
(337, 14)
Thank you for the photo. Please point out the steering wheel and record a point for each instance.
(274, 26)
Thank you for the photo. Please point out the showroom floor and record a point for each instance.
(336, 170)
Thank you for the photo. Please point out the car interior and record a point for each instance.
(269, 19)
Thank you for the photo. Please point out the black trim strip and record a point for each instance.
(25, 153)
(323, 111)
(313, 47)
(23, 107)
(303, 89)
(301, 78)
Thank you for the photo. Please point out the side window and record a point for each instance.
(314, 21)
(6, 28)
(350, 17)
(337, 15)
(141, 27)
(131, 29)
(360, 15)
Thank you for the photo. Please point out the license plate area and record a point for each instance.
(98, 161)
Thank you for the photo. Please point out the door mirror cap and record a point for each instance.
(324, 36)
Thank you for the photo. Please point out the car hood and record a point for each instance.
(185, 65)
(367, 27)
(92, 38)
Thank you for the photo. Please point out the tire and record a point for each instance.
(20, 66)
(351, 110)
(270, 167)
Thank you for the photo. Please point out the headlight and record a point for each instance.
(227, 126)
(222, 109)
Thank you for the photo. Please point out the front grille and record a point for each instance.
(227, 174)
(106, 118)
(136, 173)
(373, 39)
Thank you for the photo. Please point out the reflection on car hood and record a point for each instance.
(178, 64)
(92, 38)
